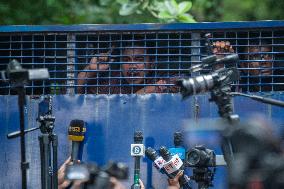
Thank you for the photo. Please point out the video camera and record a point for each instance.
(95, 177)
(216, 79)
(204, 83)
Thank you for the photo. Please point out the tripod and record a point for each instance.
(221, 96)
(203, 176)
(21, 104)
(18, 77)
(47, 141)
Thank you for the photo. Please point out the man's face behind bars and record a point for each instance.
(260, 62)
(135, 65)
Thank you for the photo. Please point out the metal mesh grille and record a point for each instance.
(36, 51)
(261, 58)
(121, 59)
(139, 61)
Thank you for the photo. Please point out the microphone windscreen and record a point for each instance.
(178, 139)
(151, 153)
(76, 131)
(165, 153)
(138, 137)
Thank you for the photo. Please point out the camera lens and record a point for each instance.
(193, 157)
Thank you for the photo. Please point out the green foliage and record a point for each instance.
(165, 11)
(236, 10)
(208, 11)
(136, 11)
(253, 10)
(66, 12)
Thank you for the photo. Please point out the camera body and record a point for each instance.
(199, 156)
(203, 162)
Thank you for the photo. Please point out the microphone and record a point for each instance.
(157, 160)
(179, 146)
(137, 150)
(173, 166)
(204, 83)
(76, 133)
(173, 163)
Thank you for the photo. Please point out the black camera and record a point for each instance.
(199, 156)
(203, 162)
(95, 177)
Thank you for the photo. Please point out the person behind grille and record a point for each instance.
(135, 75)
(258, 68)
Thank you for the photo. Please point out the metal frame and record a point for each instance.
(70, 33)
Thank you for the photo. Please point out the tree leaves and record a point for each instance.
(128, 8)
(184, 6)
(165, 11)
(94, 11)
(135, 11)
(186, 18)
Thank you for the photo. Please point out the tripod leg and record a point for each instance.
(45, 162)
(24, 163)
(42, 160)
(54, 161)
(49, 168)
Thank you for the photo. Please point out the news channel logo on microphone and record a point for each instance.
(137, 150)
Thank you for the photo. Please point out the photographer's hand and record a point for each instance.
(116, 184)
(62, 182)
(141, 184)
(174, 183)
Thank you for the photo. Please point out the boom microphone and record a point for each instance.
(76, 133)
